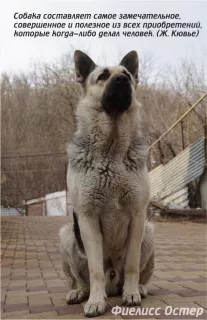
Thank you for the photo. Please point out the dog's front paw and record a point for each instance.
(94, 309)
(131, 299)
(143, 290)
(77, 295)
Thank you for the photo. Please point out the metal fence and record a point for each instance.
(169, 182)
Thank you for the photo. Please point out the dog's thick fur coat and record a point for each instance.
(109, 186)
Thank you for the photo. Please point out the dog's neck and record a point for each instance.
(110, 136)
(116, 139)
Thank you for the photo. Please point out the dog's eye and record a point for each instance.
(127, 74)
(104, 76)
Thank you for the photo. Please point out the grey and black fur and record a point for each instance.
(77, 233)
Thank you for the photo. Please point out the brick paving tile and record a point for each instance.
(42, 308)
(192, 293)
(15, 307)
(33, 284)
(37, 293)
(43, 315)
(16, 293)
(16, 299)
(58, 302)
(16, 315)
(72, 309)
(17, 278)
(37, 288)
(39, 300)
(72, 316)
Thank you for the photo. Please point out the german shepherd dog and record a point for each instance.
(110, 246)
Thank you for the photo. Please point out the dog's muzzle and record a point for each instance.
(117, 95)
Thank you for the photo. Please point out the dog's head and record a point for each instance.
(111, 88)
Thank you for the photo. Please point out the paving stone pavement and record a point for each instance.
(33, 287)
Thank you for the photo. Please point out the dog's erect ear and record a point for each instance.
(83, 66)
(131, 63)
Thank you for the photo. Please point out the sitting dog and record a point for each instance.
(108, 184)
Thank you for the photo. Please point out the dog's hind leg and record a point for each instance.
(79, 294)
(78, 289)
(70, 280)
(147, 258)
(146, 275)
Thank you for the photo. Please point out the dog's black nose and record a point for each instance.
(121, 79)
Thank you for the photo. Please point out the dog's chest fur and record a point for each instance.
(108, 185)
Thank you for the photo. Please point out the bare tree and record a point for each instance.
(38, 119)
